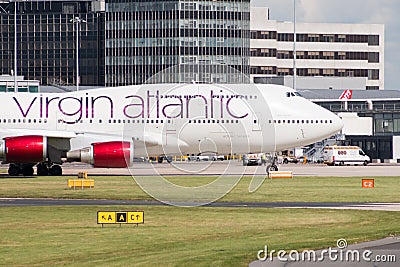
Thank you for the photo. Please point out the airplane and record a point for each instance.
(108, 127)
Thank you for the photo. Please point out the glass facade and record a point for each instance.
(127, 42)
(177, 41)
(46, 42)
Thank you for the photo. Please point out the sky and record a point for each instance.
(385, 12)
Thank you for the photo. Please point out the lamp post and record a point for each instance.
(77, 21)
(294, 45)
(15, 47)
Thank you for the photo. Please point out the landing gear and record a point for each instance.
(42, 169)
(47, 168)
(56, 170)
(272, 166)
(24, 169)
(27, 170)
(13, 170)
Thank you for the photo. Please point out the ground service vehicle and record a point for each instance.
(341, 155)
(252, 159)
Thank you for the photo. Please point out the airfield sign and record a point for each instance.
(120, 217)
(368, 183)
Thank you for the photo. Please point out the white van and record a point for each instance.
(341, 155)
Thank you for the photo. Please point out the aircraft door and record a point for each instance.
(170, 131)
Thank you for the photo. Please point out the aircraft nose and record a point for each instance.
(337, 124)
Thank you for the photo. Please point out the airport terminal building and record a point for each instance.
(322, 50)
(124, 42)
(371, 120)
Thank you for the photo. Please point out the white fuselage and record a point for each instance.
(171, 119)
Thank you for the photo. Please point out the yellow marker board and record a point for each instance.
(135, 216)
(120, 217)
(106, 217)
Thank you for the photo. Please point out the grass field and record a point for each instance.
(171, 236)
(303, 189)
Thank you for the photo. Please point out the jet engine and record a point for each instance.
(114, 154)
(23, 149)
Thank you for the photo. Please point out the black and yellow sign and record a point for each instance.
(119, 217)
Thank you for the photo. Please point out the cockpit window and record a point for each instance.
(293, 94)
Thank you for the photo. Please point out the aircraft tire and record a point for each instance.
(27, 171)
(56, 170)
(13, 170)
(42, 170)
(271, 168)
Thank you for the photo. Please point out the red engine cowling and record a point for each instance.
(24, 149)
(112, 154)
(116, 154)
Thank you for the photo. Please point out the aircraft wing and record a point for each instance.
(24, 132)
(149, 139)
